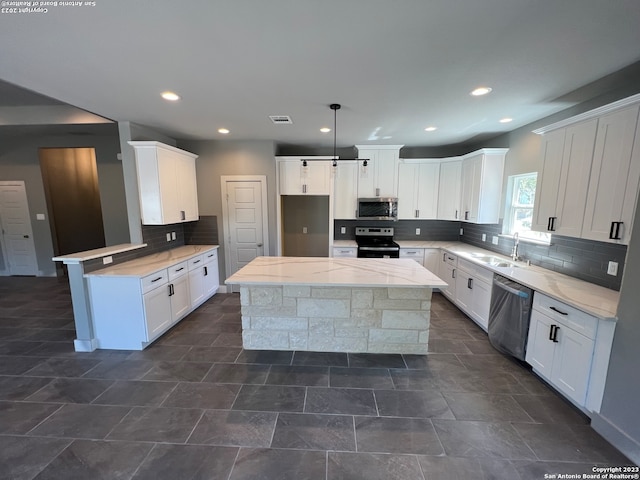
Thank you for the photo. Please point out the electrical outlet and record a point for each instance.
(417, 231)
(304, 229)
(107, 260)
(462, 231)
(168, 237)
(484, 237)
(173, 235)
(612, 269)
(39, 216)
(343, 230)
(494, 239)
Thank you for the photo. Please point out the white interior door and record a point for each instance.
(245, 222)
(17, 235)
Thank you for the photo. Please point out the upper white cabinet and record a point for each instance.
(449, 190)
(418, 185)
(379, 177)
(296, 179)
(561, 191)
(482, 185)
(615, 172)
(166, 183)
(345, 189)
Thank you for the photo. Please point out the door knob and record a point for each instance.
(26, 236)
(260, 244)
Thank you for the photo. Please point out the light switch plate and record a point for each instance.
(39, 216)
(417, 231)
(304, 229)
(494, 239)
(484, 237)
(343, 230)
(168, 237)
(612, 269)
(462, 231)
(173, 235)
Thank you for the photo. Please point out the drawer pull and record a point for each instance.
(197, 261)
(180, 269)
(156, 279)
(558, 311)
(211, 255)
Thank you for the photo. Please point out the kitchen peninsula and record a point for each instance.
(335, 304)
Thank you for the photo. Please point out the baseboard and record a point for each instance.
(222, 289)
(619, 439)
(85, 345)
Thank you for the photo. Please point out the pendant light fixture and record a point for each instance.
(335, 107)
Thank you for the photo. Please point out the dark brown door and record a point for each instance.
(70, 177)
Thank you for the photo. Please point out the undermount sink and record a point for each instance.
(493, 261)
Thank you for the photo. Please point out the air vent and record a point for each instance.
(281, 119)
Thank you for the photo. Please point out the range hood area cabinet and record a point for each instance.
(380, 177)
(166, 183)
(482, 173)
(418, 186)
(296, 179)
(590, 174)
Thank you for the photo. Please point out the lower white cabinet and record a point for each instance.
(447, 272)
(345, 252)
(431, 259)
(473, 291)
(560, 346)
(129, 311)
(415, 253)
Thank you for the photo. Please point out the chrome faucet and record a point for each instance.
(514, 251)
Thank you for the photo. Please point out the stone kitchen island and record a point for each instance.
(335, 304)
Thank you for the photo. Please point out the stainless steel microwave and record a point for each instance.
(378, 208)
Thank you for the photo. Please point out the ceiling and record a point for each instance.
(395, 66)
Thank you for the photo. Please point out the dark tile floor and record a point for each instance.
(196, 405)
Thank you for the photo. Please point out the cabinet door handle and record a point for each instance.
(453, 273)
(614, 233)
(558, 311)
(612, 230)
(552, 224)
(377, 192)
(206, 271)
(156, 279)
(444, 257)
(182, 215)
(456, 215)
(555, 334)
(470, 284)
(170, 289)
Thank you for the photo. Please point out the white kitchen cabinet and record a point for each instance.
(416, 254)
(482, 185)
(166, 183)
(345, 190)
(418, 182)
(447, 272)
(345, 252)
(380, 177)
(473, 291)
(560, 346)
(449, 190)
(561, 191)
(296, 179)
(615, 173)
(211, 273)
(432, 259)
(130, 312)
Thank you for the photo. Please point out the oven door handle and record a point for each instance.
(379, 249)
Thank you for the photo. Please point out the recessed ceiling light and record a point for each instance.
(172, 97)
(480, 91)
(223, 131)
(430, 129)
(325, 129)
(506, 120)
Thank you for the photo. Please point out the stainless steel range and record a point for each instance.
(376, 242)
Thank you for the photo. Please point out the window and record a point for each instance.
(521, 192)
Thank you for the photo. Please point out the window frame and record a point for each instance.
(508, 224)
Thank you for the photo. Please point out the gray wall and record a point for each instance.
(310, 212)
(230, 157)
(19, 161)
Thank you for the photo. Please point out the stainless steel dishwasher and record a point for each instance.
(509, 316)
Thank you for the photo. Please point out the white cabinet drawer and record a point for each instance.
(417, 253)
(562, 313)
(346, 252)
(476, 271)
(196, 262)
(154, 280)
(210, 256)
(178, 269)
(449, 258)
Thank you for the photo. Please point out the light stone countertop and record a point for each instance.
(149, 264)
(322, 271)
(590, 298)
(97, 253)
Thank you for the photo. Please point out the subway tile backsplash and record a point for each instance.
(403, 229)
(584, 259)
(202, 232)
